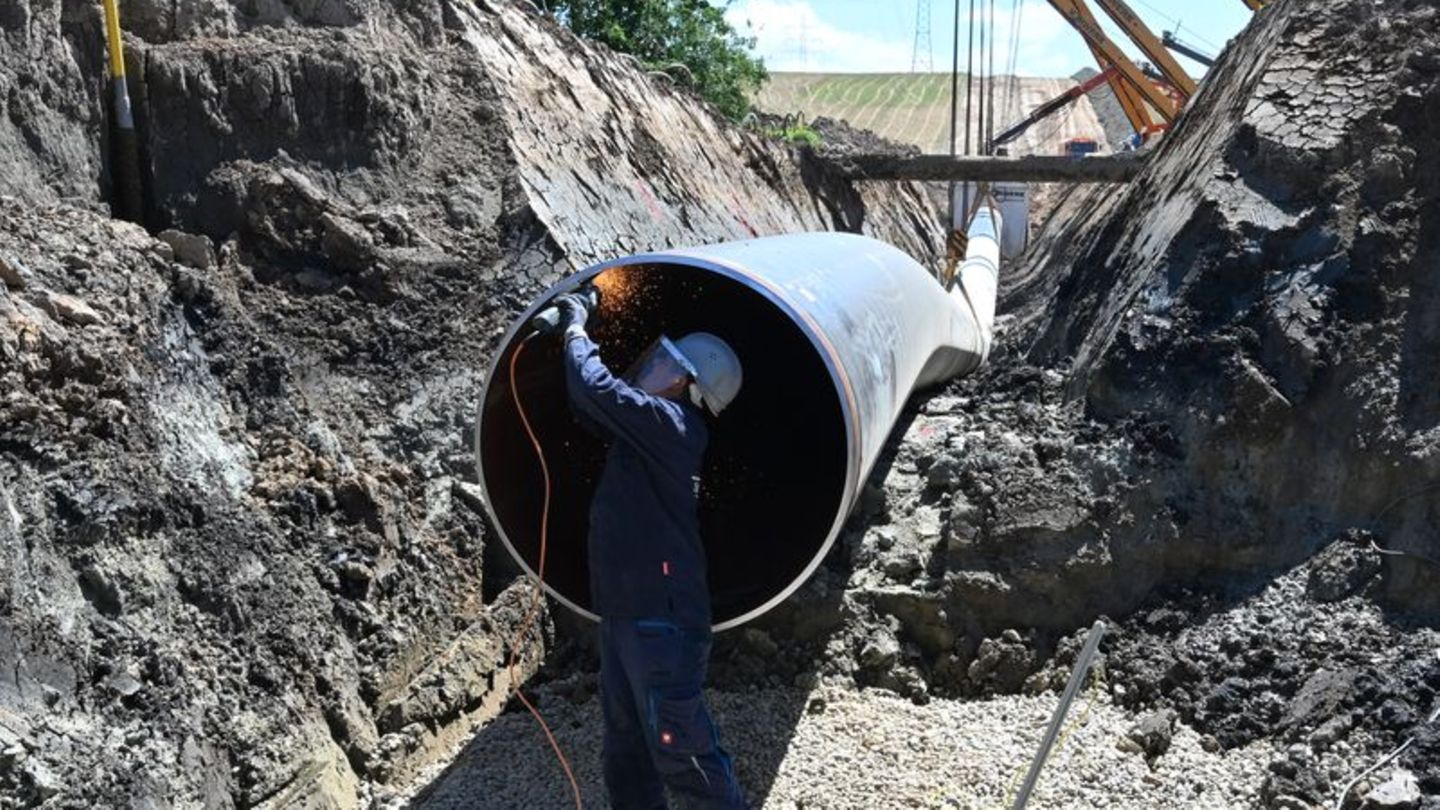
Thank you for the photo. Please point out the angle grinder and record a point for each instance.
(548, 319)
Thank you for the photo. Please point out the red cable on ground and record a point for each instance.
(539, 580)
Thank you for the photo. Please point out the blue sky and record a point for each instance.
(878, 35)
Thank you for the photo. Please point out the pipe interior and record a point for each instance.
(774, 474)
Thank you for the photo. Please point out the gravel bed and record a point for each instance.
(840, 748)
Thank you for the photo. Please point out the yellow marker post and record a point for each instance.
(126, 168)
(112, 33)
(124, 117)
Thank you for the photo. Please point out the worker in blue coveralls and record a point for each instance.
(647, 566)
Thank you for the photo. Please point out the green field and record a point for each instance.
(915, 107)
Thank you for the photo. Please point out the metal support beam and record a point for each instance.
(1077, 677)
(1030, 169)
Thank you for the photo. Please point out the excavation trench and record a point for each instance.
(834, 331)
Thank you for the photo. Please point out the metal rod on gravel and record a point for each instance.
(1077, 676)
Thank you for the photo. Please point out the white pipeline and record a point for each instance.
(972, 292)
(839, 327)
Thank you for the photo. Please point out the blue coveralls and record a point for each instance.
(647, 582)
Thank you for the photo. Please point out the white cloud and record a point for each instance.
(790, 36)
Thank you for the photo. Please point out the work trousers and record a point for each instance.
(658, 732)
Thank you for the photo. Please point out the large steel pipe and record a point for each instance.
(834, 330)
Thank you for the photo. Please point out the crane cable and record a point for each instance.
(1012, 95)
(958, 240)
(969, 76)
(954, 239)
(990, 84)
(980, 124)
(538, 595)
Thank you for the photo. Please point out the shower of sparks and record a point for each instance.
(617, 286)
(640, 302)
(628, 303)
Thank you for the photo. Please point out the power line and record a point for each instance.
(969, 73)
(922, 56)
(980, 124)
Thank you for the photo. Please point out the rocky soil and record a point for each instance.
(837, 748)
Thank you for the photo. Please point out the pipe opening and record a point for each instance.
(775, 470)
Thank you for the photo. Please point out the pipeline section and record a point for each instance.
(835, 332)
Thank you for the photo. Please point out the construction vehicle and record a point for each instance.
(1141, 97)
(1079, 147)
(1145, 39)
(1049, 108)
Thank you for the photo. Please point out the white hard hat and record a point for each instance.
(717, 369)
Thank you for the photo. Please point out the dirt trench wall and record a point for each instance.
(614, 161)
(51, 81)
(1244, 335)
(608, 158)
(242, 553)
(1267, 292)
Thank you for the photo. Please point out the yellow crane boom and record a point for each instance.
(1108, 53)
(1142, 36)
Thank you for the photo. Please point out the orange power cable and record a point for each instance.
(539, 595)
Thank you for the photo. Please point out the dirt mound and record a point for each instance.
(1264, 292)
